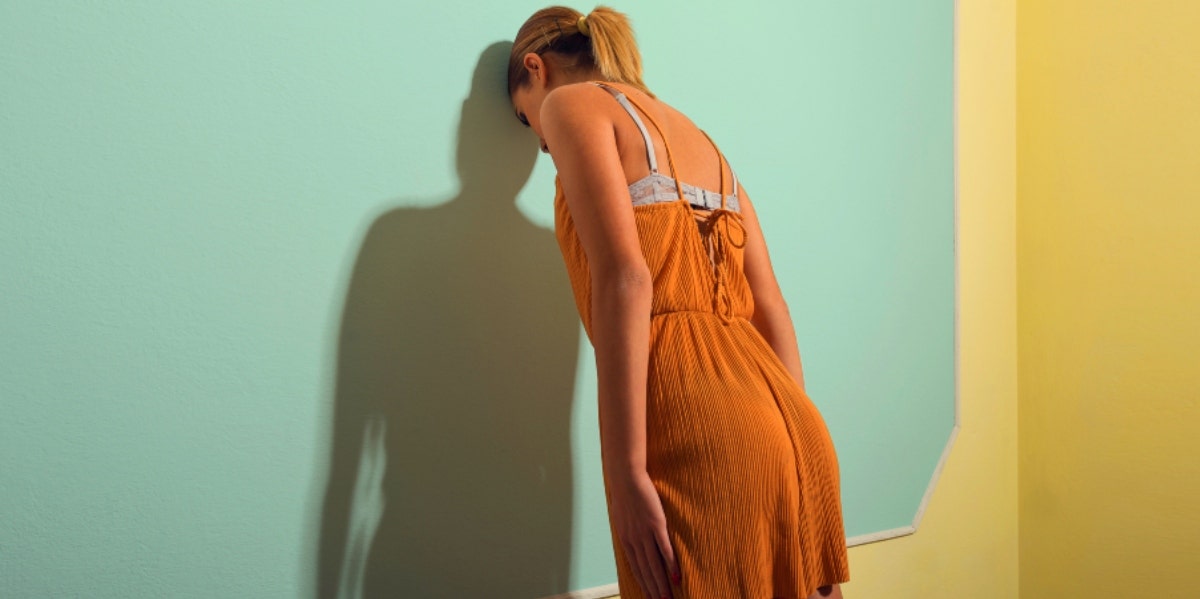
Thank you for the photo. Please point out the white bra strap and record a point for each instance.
(638, 121)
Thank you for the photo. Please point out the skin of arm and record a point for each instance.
(771, 316)
(583, 146)
(577, 125)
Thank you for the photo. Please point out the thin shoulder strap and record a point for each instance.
(667, 146)
(624, 101)
(721, 161)
(721, 164)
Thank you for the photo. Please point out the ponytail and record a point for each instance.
(602, 40)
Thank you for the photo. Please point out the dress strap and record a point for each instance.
(666, 145)
(725, 225)
(624, 101)
(721, 163)
(629, 104)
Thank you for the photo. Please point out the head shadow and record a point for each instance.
(451, 468)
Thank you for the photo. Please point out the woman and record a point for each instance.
(720, 475)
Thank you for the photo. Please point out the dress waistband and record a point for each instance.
(697, 312)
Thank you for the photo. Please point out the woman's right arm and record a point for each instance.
(771, 315)
(584, 150)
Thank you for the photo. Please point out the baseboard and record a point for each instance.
(600, 592)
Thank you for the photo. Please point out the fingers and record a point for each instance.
(637, 513)
(649, 567)
(668, 555)
(658, 573)
(638, 563)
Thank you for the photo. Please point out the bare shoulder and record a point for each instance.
(577, 101)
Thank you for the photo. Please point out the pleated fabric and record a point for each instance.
(741, 458)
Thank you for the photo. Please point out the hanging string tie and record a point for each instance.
(726, 228)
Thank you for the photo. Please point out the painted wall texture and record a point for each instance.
(1109, 298)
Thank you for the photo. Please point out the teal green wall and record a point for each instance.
(283, 314)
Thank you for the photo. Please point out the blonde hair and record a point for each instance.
(606, 43)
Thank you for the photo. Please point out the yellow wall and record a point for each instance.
(966, 546)
(1109, 298)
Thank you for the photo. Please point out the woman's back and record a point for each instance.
(691, 236)
(696, 158)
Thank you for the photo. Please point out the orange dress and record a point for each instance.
(741, 458)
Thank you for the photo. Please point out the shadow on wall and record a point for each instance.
(451, 467)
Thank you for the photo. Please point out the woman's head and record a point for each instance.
(559, 45)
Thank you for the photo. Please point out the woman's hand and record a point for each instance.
(641, 525)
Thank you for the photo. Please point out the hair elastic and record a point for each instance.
(583, 26)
